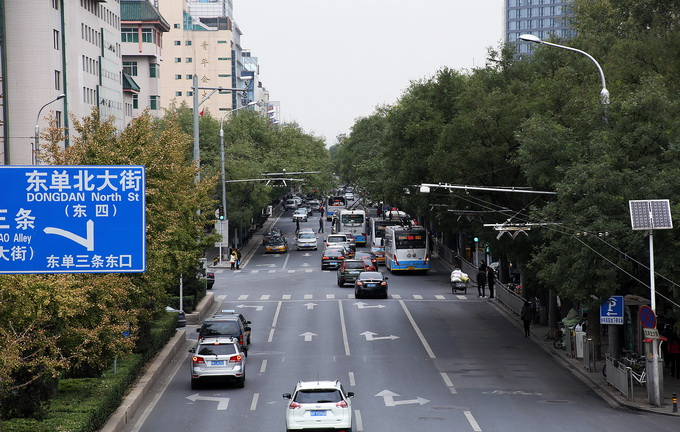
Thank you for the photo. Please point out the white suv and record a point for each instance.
(319, 405)
(217, 358)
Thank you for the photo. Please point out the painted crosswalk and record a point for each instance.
(303, 269)
(307, 296)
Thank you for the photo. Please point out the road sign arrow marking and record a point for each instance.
(308, 336)
(388, 397)
(257, 308)
(222, 403)
(310, 305)
(362, 305)
(304, 265)
(88, 241)
(370, 336)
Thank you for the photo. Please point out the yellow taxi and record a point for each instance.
(276, 245)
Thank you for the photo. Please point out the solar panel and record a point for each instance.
(650, 214)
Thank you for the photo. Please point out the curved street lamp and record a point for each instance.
(36, 143)
(224, 189)
(604, 93)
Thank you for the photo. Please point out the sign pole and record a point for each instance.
(655, 396)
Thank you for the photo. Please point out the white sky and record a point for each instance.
(330, 62)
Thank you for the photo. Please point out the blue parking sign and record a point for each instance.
(611, 312)
(72, 219)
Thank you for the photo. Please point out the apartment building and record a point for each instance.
(142, 29)
(542, 18)
(54, 47)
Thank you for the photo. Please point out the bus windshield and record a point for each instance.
(357, 219)
(337, 201)
(411, 240)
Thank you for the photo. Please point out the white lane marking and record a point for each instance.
(343, 327)
(359, 422)
(330, 296)
(462, 297)
(472, 421)
(439, 297)
(417, 329)
(285, 263)
(286, 297)
(253, 404)
(221, 297)
(271, 335)
(310, 305)
(309, 296)
(417, 296)
(243, 297)
(265, 297)
(396, 296)
(448, 383)
(276, 314)
(271, 271)
(308, 336)
(291, 271)
(264, 366)
(222, 403)
(352, 382)
(309, 270)
(254, 271)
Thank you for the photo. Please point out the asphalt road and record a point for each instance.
(424, 359)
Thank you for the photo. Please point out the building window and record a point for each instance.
(154, 70)
(57, 80)
(187, 43)
(130, 68)
(129, 34)
(135, 101)
(55, 4)
(154, 102)
(176, 26)
(178, 60)
(190, 93)
(147, 35)
(55, 35)
(57, 118)
(178, 43)
(221, 41)
(189, 60)
(178, 76)
(189, 76)
(178, 93)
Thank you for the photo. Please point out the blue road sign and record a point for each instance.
(611, 312)
(72, 219)
(647, 317)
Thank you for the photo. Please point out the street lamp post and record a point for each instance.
(604, 93)
(36, 142)
(224, 188)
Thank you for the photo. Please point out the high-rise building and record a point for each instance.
(204, 41)
(542, 18)
(142, 28)
(70, 47)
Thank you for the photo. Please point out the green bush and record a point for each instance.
(85, 404)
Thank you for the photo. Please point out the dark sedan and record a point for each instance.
(370, 260)
(332, 259)
(371, 284)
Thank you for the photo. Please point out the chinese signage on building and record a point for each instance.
(72, 219)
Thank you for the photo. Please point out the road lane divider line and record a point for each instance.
(352, 382)
(285, 263)
(276, 313)
(271, 335)
(253, 404)
(345, 340)
(417, 330)
(359, 422)
(243, 297)
(472, 421)
(448, 382)
(264, 366)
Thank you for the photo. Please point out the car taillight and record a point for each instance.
(324, 258)
(427, 258)
(294, 405)
(235, 359)
(341, 404)
(341, 257)
(198, 360)
(240, 340)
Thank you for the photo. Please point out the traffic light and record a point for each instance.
(476, 240)
(220, 213)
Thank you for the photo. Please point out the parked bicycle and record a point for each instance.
(633, 362)
(561, 342)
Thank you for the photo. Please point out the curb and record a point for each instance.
(143, 386)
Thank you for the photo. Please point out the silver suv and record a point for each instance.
(319, 405)
(217, 358)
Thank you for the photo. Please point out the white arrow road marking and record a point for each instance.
(388, 396)
(308, 336)
(257, 308)
(88, 241)
(310, 305)
(370, 336)
(304, 265)
(222, 403)
(362, 305)
(306, 254)
(515, 392)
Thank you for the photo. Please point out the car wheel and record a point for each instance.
(357, 294)
(194, 384)
(340, 283)
(241, 382)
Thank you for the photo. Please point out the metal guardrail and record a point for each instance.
(618, 376)
(589, 354)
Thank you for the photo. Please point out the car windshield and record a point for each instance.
(217, 349)
(218, 328)
(371, 275)
(355, 265)
(318, 396)
(306, 235)
(275, 241)
(336, 239)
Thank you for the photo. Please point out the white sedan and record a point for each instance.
(300, 215)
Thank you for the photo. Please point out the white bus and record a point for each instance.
(406, 248)
(333, 204)
(354, 222)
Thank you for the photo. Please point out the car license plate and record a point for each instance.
(217, 363)
(372, 285)
(411, 268)
(318, 413)
(354, 272)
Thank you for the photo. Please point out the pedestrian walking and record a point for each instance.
(527, 314)
(490, 279)
(297, 226)
(481, 279)
(232, 259)
(238, 259)
(321, 223)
